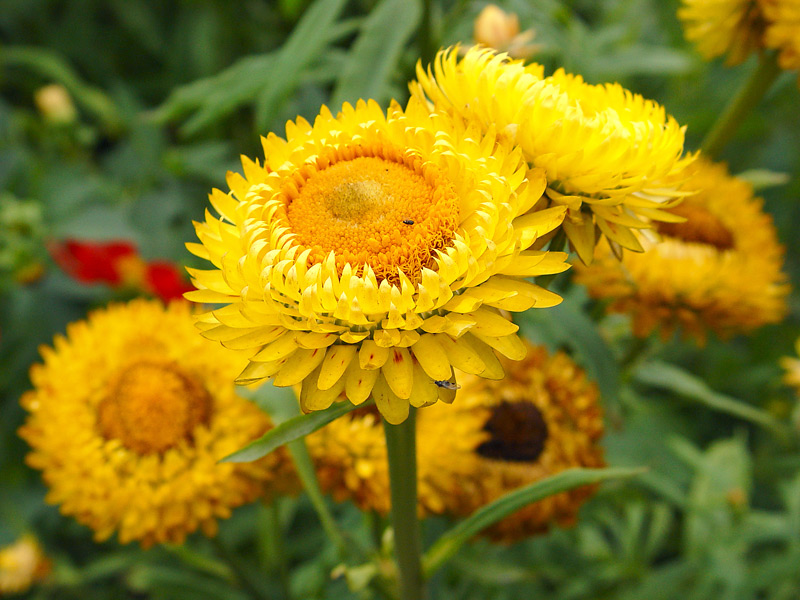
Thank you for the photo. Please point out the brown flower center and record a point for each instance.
(517, 433)
(701, 227)
(151, 406)
(374, 206)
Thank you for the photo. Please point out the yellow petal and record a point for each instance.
(259, 371)
(312, 339)
(393, 409)
(581, 234)
(423, 391)
(280, 348)
(535, 263)
(509, 346)
(494, 370)
(372, 356)
(254, 339)
(461, 355)
(620, 234)
(447, 393)
(533, 225)
(312, 398)
(209, 297)
(431, 357)
(489, 322)
(359, 382)
(398, 372)
(299, 366)
(336, 362)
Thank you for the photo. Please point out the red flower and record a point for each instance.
(92, 262)
(165, 280)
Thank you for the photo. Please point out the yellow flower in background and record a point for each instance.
(129, 416)
(542, 419)
(720, 270)
(731, 28)
(792, 367)
(22, 564)
(612, 157)
(372, 253)
(498, 29)
(783, 31)
(497, 436)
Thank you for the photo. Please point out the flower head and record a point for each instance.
(783, 31)
(130, 414)
(22, 564)
(498, 435)
(372, 253)
(724, 27)
(495, 28)
(718, 267)
(610, 156)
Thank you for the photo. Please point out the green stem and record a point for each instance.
(274, 546)
(401, 445)
(308, 477)
(742, 103)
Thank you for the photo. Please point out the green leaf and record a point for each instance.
(288, 431)
(306, 43)
(449, 544)
(375, 53)
(762, 179)
(663, 375)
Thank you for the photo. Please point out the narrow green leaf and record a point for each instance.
(375, 53)
(449, 544)
(288, 431)
(663, 375)
(306, 43)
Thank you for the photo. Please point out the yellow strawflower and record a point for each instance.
(22, 564)
(783, 31)
(611, 157)
(497, 436)
(718, 267)
(731, 28)
(372, 253)
(130, 415)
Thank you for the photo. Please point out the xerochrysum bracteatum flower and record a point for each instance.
(372, 253)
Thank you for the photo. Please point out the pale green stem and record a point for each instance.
(742, 103)
(401, 445)
(275, 547)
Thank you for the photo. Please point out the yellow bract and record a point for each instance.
(723, 27)
(130, 415)
(612, 157)
(718, 270)
(372, 253)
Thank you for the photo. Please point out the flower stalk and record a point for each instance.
(742, 103)
(401, 447)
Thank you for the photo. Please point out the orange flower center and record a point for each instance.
(151, 406)
(701, 227)
(517, 433)
(375, 206)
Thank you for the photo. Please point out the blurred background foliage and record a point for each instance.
(166, 96)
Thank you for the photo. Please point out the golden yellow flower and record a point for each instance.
(783, 31)
(544, 418)
(373, 253)
(131, 413)
(792, 366)
(498, 435)
(498, 29)
(612, 157)
(21, 565)
(724, 27)
(720, 270)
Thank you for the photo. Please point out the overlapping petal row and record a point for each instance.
(373, 253)
(129, 417)
(734, 28)
(720, 269)
(611, 156)
(544, 417)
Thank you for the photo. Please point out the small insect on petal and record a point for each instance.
(408, 221)
(448, 385)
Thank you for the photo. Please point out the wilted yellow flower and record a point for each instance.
(498, 436)
(498, 29)
(21, 565)
(131, 413)
(724, 27)
(783, 31)
(373, 253)
(792, 366)
(55, 103)
(612, 157)
(720, 270)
